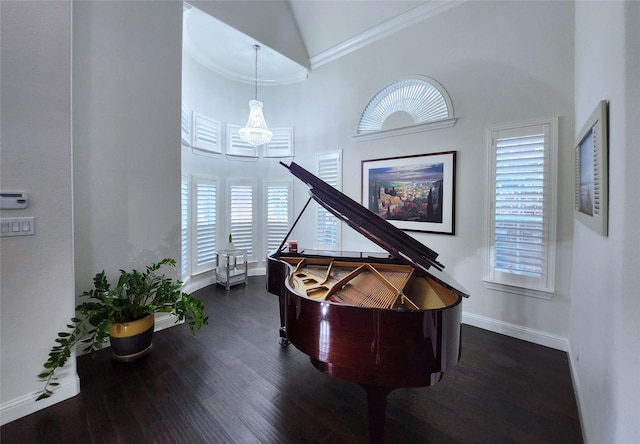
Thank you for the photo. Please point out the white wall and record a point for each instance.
(605, 309)
(126, 164)
(36, 290)
(126, 135)
(495, 72)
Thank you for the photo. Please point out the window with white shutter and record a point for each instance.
(238, 147)
(425, 100)
(329, 169)
(185, 125)
(281, 145)
(522, 202)
(184, 229)
(241, 210)
(204, 224)
(278, 208)
(406, 106)
(206, 134)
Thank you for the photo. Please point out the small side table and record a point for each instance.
(231, 268)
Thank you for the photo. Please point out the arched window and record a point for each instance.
(409, 105)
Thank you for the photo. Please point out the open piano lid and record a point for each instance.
(398, 243)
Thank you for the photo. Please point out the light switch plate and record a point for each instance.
(17, 226)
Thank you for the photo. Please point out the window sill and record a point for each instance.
(522, 291)
(443, 123)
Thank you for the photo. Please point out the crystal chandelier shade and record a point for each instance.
(255, 132)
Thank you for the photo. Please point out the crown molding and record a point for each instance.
(204, 60)
(411, 17)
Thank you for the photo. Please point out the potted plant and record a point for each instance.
(125, 314)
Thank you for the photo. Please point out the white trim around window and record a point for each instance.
(206, 134)
(238, 148)
(204, 223)
(241, 215)
(185, 207)
(278, 199)
(329, 227)
(186, 118)
(282, 143)
(521, 208)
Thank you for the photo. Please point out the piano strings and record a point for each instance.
(385, 286)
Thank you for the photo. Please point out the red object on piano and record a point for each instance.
(381, 321)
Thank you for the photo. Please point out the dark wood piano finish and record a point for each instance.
(378, 348)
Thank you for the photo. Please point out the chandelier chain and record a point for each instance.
(256, 131)
(256, 47)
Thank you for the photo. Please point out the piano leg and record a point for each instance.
(284, 340)
(377, 411)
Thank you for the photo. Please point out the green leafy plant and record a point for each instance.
(136, 295)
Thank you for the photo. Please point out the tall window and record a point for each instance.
(278, 208)
(241, 197)
(522, 202)
(329, 169)
(184, 222)
(205, 222)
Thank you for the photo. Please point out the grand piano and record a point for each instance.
(383, 321)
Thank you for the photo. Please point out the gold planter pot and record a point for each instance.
(131, 340)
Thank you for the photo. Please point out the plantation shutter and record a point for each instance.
(281, 145)
(519, 205)
(206, 133)
(241, 214)
(184, 222)
(278, 201)
(238, 147)
(523, 207)
(328, 228)
(417, 97)
(205, 232)
(185, 125)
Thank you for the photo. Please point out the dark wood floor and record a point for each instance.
(234, 383)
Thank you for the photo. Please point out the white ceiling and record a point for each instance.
(229, 52)
(326, 24)
(329, 29)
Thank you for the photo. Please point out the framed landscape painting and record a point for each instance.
(414, 193)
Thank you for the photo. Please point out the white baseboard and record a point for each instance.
(540, 338)
(194, 283)
(68, 388)
(165, 320)
(577, 389)
(200, 281)
(26, 405)
(517, 331)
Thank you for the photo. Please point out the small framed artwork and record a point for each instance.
(414, 193)
(591, 171)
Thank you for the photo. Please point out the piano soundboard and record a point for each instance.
(364, 284)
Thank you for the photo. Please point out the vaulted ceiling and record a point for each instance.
(295, 36)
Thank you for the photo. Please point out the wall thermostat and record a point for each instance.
(13, 201)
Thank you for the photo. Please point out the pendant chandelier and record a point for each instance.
(255, 131)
